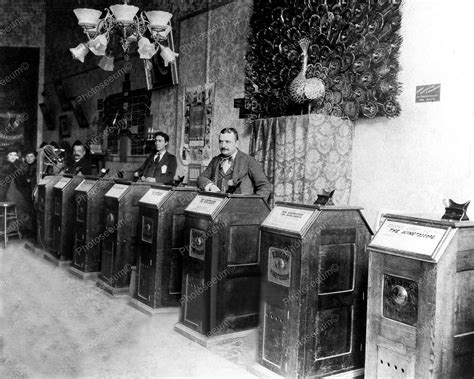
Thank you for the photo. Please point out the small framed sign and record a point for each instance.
(428, 93)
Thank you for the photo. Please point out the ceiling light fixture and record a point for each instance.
(148, 28)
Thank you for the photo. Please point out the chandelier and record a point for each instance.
(149, 29)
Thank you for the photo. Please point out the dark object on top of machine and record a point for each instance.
(456, 212)
(178, 182)
(325, 198)
(104, 172)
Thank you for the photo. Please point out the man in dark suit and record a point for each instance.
(160, 166)
(233, 171)
(82, 164)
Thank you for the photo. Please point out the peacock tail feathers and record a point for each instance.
(352, 50)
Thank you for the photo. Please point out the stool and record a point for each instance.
(10, 225)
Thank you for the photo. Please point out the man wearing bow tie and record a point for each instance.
(160, 166)
(233, 171)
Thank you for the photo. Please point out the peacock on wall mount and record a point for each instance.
(350, 58)
(303, 88)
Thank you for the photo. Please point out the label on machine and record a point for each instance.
(154, 196)
(117, 190)
(413, 238)
(62, 183)
(204, 204)
(288, 218)
(85, 185)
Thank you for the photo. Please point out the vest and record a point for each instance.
(223, 178)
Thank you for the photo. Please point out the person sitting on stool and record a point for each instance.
(160, 166)
(234, 171)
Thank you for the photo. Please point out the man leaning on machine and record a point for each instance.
(160, 166)
(234, 171)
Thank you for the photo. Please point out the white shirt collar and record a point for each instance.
(233, 155)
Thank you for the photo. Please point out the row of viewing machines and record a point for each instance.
(327, 296)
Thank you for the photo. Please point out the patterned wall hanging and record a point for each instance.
(335, 57)
(198, 108)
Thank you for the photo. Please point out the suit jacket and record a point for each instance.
(84, 166)
(15, 172)
(155, 168)
(248, 175)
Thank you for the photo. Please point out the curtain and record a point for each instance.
(304, 155)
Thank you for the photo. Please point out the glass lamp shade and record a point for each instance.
(162, 33)
(107, 63)
(124, 13)
(145, 48)
(79, 52)
(158, 18)
(87, 17)
(98, 45)
(168, 55)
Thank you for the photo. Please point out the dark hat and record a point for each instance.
(12, 149)
(29, 151)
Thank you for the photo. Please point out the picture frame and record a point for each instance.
(156, 74)
(64, 126)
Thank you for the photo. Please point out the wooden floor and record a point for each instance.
(58, 326)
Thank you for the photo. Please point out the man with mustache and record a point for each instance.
(234, 171)
(82, 164)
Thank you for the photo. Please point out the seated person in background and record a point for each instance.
(160, 166)
(17, 190)
(82, 163)
(30, 160)
(233, 171)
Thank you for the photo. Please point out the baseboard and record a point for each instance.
(146, 309)
(116, 292)
(206, 341)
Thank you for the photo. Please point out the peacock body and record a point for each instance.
(303, 88)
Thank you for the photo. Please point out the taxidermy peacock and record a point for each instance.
(303, 88)
(349, 60)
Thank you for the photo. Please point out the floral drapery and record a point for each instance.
(304, 155)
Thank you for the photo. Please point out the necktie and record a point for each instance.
(226, 162)
(157, 157)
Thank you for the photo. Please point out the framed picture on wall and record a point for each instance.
(157, 75)
(64, 126)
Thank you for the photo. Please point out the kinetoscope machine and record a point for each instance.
(62, 217)
(421, 299)
(221, 273)
(314, 286)
(88, 226)
(118, 246)
(160, 237)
